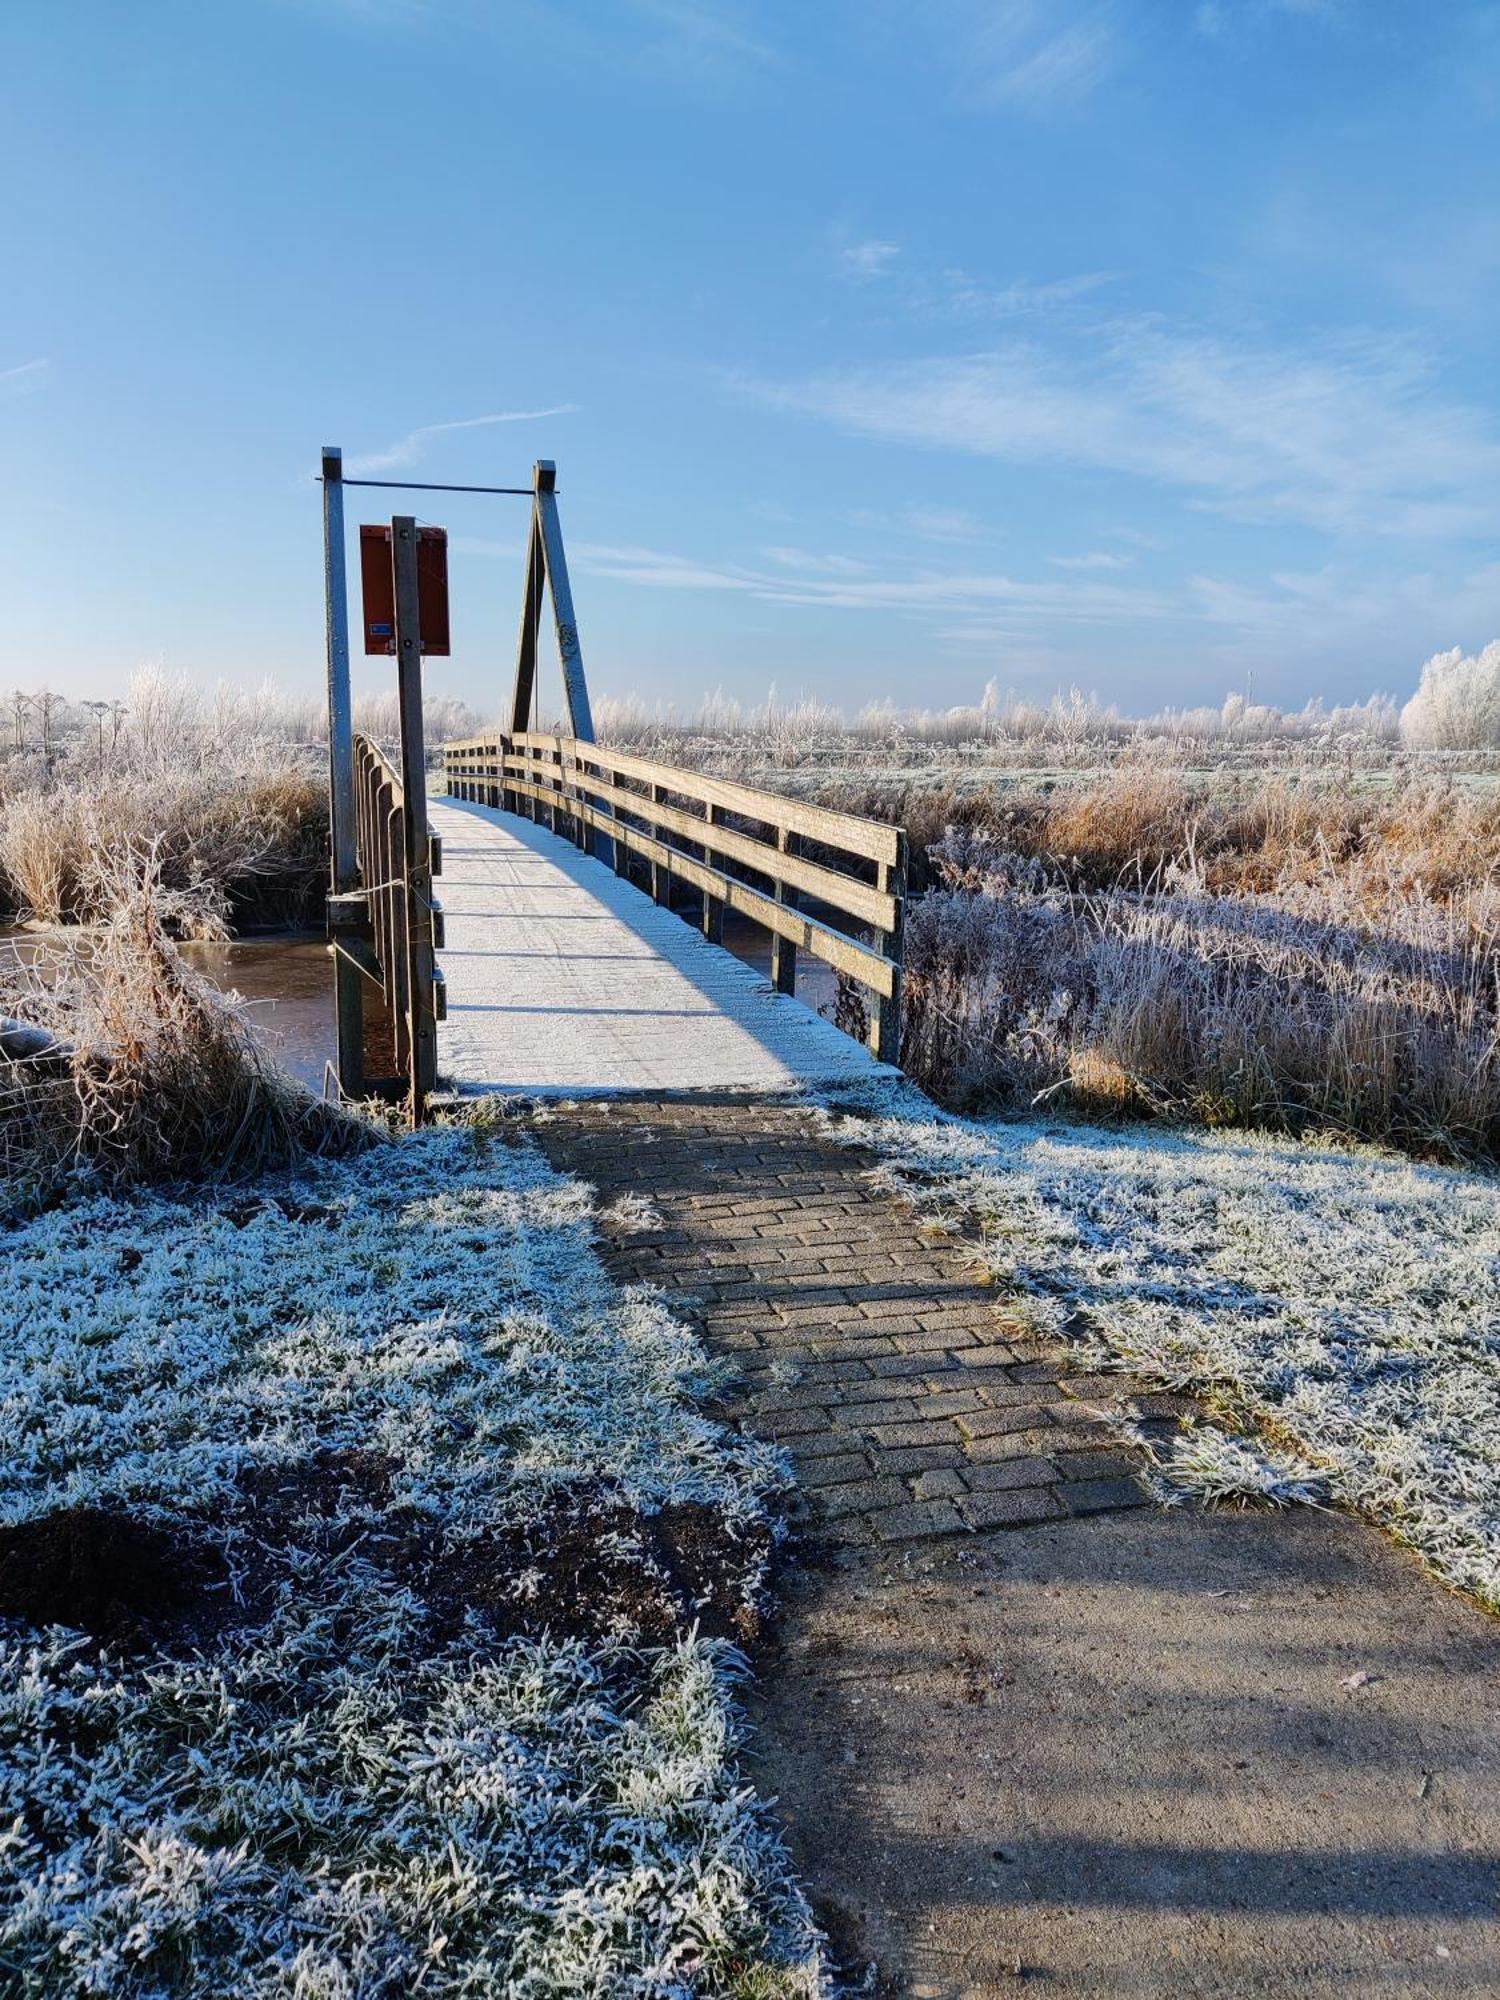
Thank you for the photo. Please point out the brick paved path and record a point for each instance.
(877, 1359)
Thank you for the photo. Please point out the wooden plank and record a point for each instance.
(842, 892)
(870, 838)
(869, 967)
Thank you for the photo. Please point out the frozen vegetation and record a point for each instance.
(370, 1577)
(1341, 1308)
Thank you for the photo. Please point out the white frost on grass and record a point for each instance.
(1348, 1301)
(330, 1800)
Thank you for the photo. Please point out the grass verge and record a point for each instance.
(307, 1689)
(1342, 1308)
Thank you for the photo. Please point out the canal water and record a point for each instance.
(286, 985)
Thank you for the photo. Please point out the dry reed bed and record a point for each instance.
(248, 844)
(150, 1074)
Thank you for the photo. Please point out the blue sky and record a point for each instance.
(885, 348)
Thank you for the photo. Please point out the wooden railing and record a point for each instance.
(710, 833)
(389, 928)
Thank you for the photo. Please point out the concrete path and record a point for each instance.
(562, 979)
(1111, 1751)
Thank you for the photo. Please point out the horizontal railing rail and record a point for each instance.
(708, 833)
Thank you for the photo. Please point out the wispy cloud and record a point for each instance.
(409, 450)
(864, 261)
(809, 561)
(24, 379)
(1034, 54)
(1348, 435)
(1005, 602)
(699, 35)
(961, 296)
(1095, 559)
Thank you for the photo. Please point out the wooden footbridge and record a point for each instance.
(578, 943)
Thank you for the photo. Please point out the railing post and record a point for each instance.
(416, 847)
(783, 951)
(885, 1019)
(661, 880)
(621, 855)
(713, 906)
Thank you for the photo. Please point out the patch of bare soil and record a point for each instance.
(126, 1582)
(586, 1565)
(591, 1566)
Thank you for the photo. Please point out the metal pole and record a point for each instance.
(348, 996)
(417, 849)
(531, 624)
(575, 687)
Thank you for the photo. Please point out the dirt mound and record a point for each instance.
(122, 1580)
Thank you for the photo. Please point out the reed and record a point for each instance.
(142, 1070)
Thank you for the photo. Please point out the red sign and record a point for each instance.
(379, 584)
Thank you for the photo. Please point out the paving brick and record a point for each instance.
(862, 1496)
(1096, 1464)
(989, 1422)
(918, 1518)
(1040, 1443)
(923, 1432)
(1002, 1474)
(1097, 1496)
(938, 1485)
(786, 1423)
(1083, 1417)
(951, 1403)
(865, 1415)
(1101, 1388)
(921, 1458)
(837, 1469)
(1012, 1509)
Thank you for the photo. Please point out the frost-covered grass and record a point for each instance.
(1343, 1305)
(324, 1792)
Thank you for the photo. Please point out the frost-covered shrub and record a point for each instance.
(1310, 1006)
(1457, 702)
(141, 1070)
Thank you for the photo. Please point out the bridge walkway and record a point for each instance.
(562, 979)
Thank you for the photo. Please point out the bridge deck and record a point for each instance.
(564, 980)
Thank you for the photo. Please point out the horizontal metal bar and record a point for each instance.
(438, 486)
